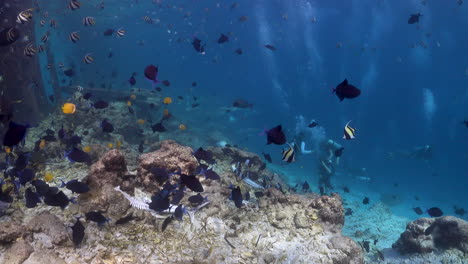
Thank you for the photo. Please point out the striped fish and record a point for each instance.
(53, 24)
(288, 154)
(49, 66)
(45, 14)
(12, 35)
(148, 19)
(29, 50)
(43, 22)
(41, 48)
(88, 59)
(60, 65)
(24, 16)
(120, 32)
(45, 38)
(349, 132)
(89, 21)
(74, 37)
(73, 5)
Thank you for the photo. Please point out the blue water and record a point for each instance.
(411, 96)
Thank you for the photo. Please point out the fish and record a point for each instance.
(148, 19)
(158, 127)
(96, 216)
(196, 199)
(22, 161)
(69, 72)
(196, 43)
(338, 152)
(211, 174)
(179, 212)
(236, 196)
(349, 132)
(288, 154)
(53, 23)
(418, 210)
(312, 124)
(120, 32)
(106, 126)
(159, 203)
(9, 36)
(15, 134)
(141, 147)
(31, 197)
(366, 200)
(74, 140)
(182, 127)
(78, 155)
(108, 32)
(191, 182)
(459, 211)
(167, 100)
(89, 21)
(239, 51)
(151, 73)
(160, 174)
(48, 177)
(26, 176)
(76, 186)
(177, 196)
(259, 194)
(414, 18)
(125, 219)
(270, 47)
(346, 90)
(40, 49)
(348, 212)
(88, 59)
(223, 39)
(243, 18)
(267, 157)
(345, 189)
(74, 36)
(42, 188)
(100, 104)
(241, 103)
(429, 230)
(305, 186)
(78, 232)
(434, 212)
(24, 16)
(460, 2)
(45, 37)
(166, 83)
(366, 245)
(74, 5)
(54, 197)
(30, 50)
(276, 136)
(247, 196)
(194, 84)
(206, 155)
(68, 108)
(166, 222)
(132, 80)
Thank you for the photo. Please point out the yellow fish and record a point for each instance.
(129, 103)
(7, 150)
(42, 144)
(118, 144)
(349, 132)
(68, 108)
(167, 100)
(141, 121)
(48, 177)
(182, 127)
(133, 97)
(110, 145)
(87, 149)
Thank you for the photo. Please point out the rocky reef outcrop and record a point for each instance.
(425, 235)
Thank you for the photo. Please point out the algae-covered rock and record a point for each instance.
(17, 253)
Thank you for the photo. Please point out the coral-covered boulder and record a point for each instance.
(427, 234)
(109, 170)
(345, 251)
(10, 231)
(17, 253)
(247, 163)
(330, 210)
(49, 229)
(170, 156)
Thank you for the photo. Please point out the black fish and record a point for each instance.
(132, 80)
(366, 200)
(15, 134)
(96, 216)
(276, 136)
(54, 198)
(42, 188)
(177, 196)
(321, 190)
(130, 110)
(338, 152)
(78, 155)
(237, 196)
(366, 245)
(418, 210)
(141, 147)
(270, 47)
(74, 140)
(346, 189)
(22, 161)
(158, 127)
(179, 212)
(26, 176)
(238, 51)
(222, 39)
(206, 155)
(166, 83)
(267, 157)
(166, 222)
(259, 194)
(76, 186)
(429, 230)
(313, 124)
(78, 232)
(32, 199)
(348, 212)
(305, 186)
(108, 32)
(211, 174)
(414, 18)
(125, 219)
(100, 104)
(345, 90)
(86, 96)
(435, 212)
(194, 84)
(160, 174)
(159, 203)
(465, 122)
(196, 199)
(191, 182)
(242, 103)
(247, 196)
(9, 36)
(61, 133)
(459, 211)
(69, 72)
(106, 126)
(196, 43)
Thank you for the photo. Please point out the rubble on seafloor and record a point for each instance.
(277, 228)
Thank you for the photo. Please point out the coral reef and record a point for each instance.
(428, 234)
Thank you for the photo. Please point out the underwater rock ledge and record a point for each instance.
(279, 227)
